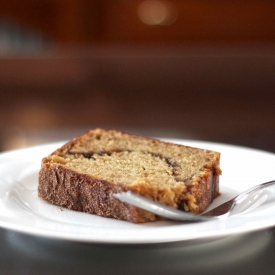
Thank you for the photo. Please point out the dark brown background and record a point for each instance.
(208, 76)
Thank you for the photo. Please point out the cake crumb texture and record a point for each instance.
(84, 174)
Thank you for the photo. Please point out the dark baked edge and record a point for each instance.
(67, 146)
(65, 187)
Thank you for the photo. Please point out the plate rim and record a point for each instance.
(75, 237)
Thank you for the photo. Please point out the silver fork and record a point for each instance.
(245, 201)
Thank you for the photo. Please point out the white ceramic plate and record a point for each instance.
(21, 210)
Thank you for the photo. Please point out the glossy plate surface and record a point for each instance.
(21, 210)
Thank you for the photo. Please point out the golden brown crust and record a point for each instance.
(83, 193)
(67, 187)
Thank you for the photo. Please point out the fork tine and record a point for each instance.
(220, 212)
(158, 208)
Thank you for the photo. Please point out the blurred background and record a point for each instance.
(191, 69)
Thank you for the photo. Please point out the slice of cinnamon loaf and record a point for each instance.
(84, 174)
